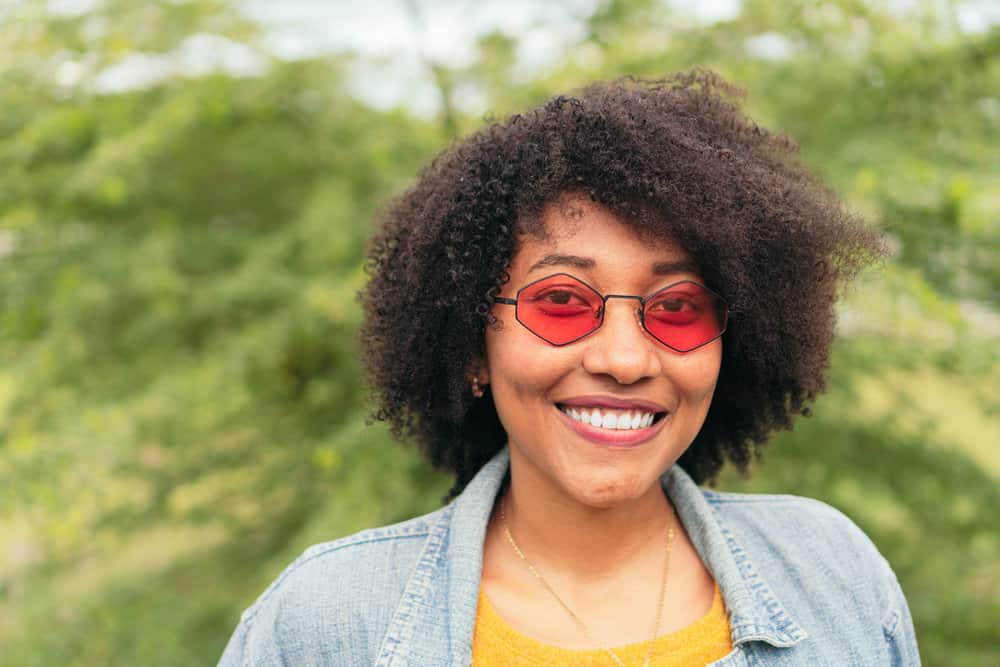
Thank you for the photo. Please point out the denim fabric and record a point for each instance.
(802, 584)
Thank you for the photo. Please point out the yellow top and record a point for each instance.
(495, 642)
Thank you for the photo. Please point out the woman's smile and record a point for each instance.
(611, 420)
(613, 428)
(607, 421)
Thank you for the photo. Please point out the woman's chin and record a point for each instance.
(607, 492)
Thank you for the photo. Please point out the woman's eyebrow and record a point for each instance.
(658, 268)
(568, 260)
(678, 266)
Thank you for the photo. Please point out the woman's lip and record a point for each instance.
(623, 439)
(596, 401)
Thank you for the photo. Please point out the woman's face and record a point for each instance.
(533, 382)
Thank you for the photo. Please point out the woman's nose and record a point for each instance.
(620, 348)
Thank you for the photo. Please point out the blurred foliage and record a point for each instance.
(180, 402)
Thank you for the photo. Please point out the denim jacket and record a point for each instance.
(802, 585)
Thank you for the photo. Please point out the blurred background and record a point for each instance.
(186, 187)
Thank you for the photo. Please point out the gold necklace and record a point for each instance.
(659, 607)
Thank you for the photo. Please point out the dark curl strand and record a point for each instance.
(675, 158)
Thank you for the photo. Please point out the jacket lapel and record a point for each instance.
(755, 613)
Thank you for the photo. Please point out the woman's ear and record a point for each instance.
(479, 375)
(478, 368)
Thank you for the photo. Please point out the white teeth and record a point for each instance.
(611, 419)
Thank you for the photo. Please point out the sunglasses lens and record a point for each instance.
(559, 309)
(685, 316)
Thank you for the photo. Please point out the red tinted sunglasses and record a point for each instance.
(561, 309)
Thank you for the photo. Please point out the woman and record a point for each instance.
(581, 312)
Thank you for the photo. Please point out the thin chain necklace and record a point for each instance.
(659, 607)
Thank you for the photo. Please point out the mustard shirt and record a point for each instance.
(495, 642)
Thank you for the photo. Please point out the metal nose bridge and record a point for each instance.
(604, 303)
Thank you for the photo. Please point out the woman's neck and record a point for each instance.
(582, 541)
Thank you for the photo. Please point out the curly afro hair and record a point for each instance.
(772, 240)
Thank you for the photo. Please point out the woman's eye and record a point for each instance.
(673, 305)
(560, 297)
(676, 309)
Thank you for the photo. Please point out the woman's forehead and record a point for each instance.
(602, 248)
(578, 228)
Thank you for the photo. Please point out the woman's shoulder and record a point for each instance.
(822, 566)
(814, 557)
(789, 522)
(375, 553)
(390, 540)
(338, 596)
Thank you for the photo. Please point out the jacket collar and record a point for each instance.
(754, 611)
(449, 570)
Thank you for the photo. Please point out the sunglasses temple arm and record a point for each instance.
(504, 300)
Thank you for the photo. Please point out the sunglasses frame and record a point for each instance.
(604, 302)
